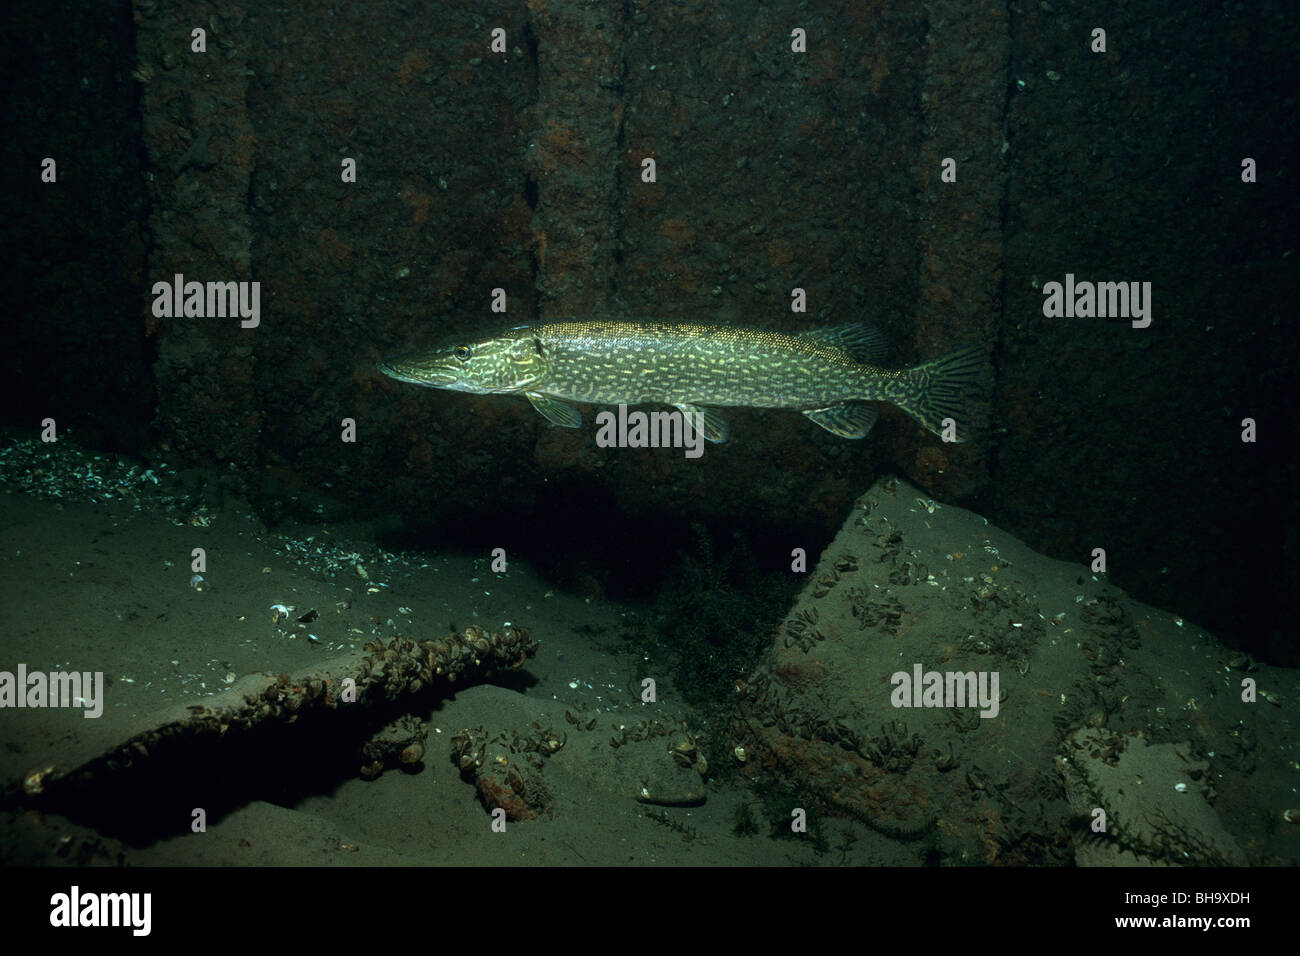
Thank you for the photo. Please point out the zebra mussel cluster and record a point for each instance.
(406, 666)
(801, 630)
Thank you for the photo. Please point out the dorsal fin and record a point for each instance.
(864, 343)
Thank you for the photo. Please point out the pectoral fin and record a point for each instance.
(555, 411)
(715, 427)
(848, 419)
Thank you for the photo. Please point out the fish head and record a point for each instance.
(508, 363)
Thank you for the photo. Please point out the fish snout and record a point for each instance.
(434, 377)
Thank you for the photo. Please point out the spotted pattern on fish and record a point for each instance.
(828, 374)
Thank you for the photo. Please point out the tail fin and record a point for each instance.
(938, 389)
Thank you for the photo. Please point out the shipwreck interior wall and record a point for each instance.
(521, 171)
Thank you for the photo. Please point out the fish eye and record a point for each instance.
(461, 352)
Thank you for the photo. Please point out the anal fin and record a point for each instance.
(847, 419)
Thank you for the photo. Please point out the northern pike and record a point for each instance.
(831, 374)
